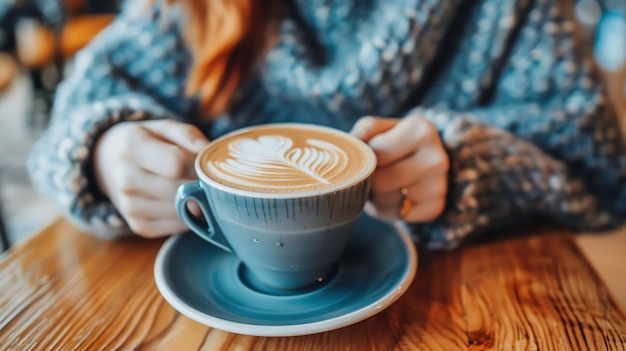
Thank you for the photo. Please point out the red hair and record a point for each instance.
(225, 38)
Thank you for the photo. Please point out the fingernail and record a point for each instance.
(357, 132)
(200, 143)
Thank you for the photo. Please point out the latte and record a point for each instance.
(287, 158)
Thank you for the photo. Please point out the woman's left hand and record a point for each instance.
(411, 178)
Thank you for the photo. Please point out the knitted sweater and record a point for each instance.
(519, 106)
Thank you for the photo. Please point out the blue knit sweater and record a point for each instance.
(518, 103)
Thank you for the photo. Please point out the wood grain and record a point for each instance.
(605, 253)
(67, 290)
(522, 296)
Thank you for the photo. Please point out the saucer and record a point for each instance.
(207, 285)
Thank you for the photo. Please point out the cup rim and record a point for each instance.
(366, 173)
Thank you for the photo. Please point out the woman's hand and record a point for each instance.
(411, 179)
(139, 166)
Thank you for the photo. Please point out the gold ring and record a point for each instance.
(404, 191)
(406, 204)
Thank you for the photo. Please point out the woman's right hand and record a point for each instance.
(140, 165)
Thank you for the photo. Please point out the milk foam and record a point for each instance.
(273, 161)
(286, 158)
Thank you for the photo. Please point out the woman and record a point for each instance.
(487, 112)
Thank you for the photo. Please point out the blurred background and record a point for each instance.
(38, 39)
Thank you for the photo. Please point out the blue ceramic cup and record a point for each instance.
(282, 197)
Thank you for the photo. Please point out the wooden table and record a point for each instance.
(67, 290)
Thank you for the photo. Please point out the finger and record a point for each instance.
(139, 208)
(387, 199)
(426, 211)
(385, 206)
(367, 127)
(427, 162)
(136, 182)
(162, 158)
(428, 189)
(386, 213)
(181, 134)
(391, 205)
(435, 187)
(403, 139)
(195, 209)
(157, 228)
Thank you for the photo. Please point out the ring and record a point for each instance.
(406, 203)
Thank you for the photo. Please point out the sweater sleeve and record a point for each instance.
(134, 70)
(548, 144)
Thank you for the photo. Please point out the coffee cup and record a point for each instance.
(282, 197)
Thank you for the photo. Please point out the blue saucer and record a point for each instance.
(209, 285)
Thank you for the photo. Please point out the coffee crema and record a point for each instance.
(286, 158)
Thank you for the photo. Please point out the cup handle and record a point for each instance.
(209, 231)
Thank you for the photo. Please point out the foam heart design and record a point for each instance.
(273, 161)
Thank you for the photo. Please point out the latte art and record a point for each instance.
(273, 161)
(286, 158)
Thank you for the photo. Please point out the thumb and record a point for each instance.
(184, 135)
(368, 127)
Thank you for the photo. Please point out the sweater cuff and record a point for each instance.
(495, 180)
(60, 164)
